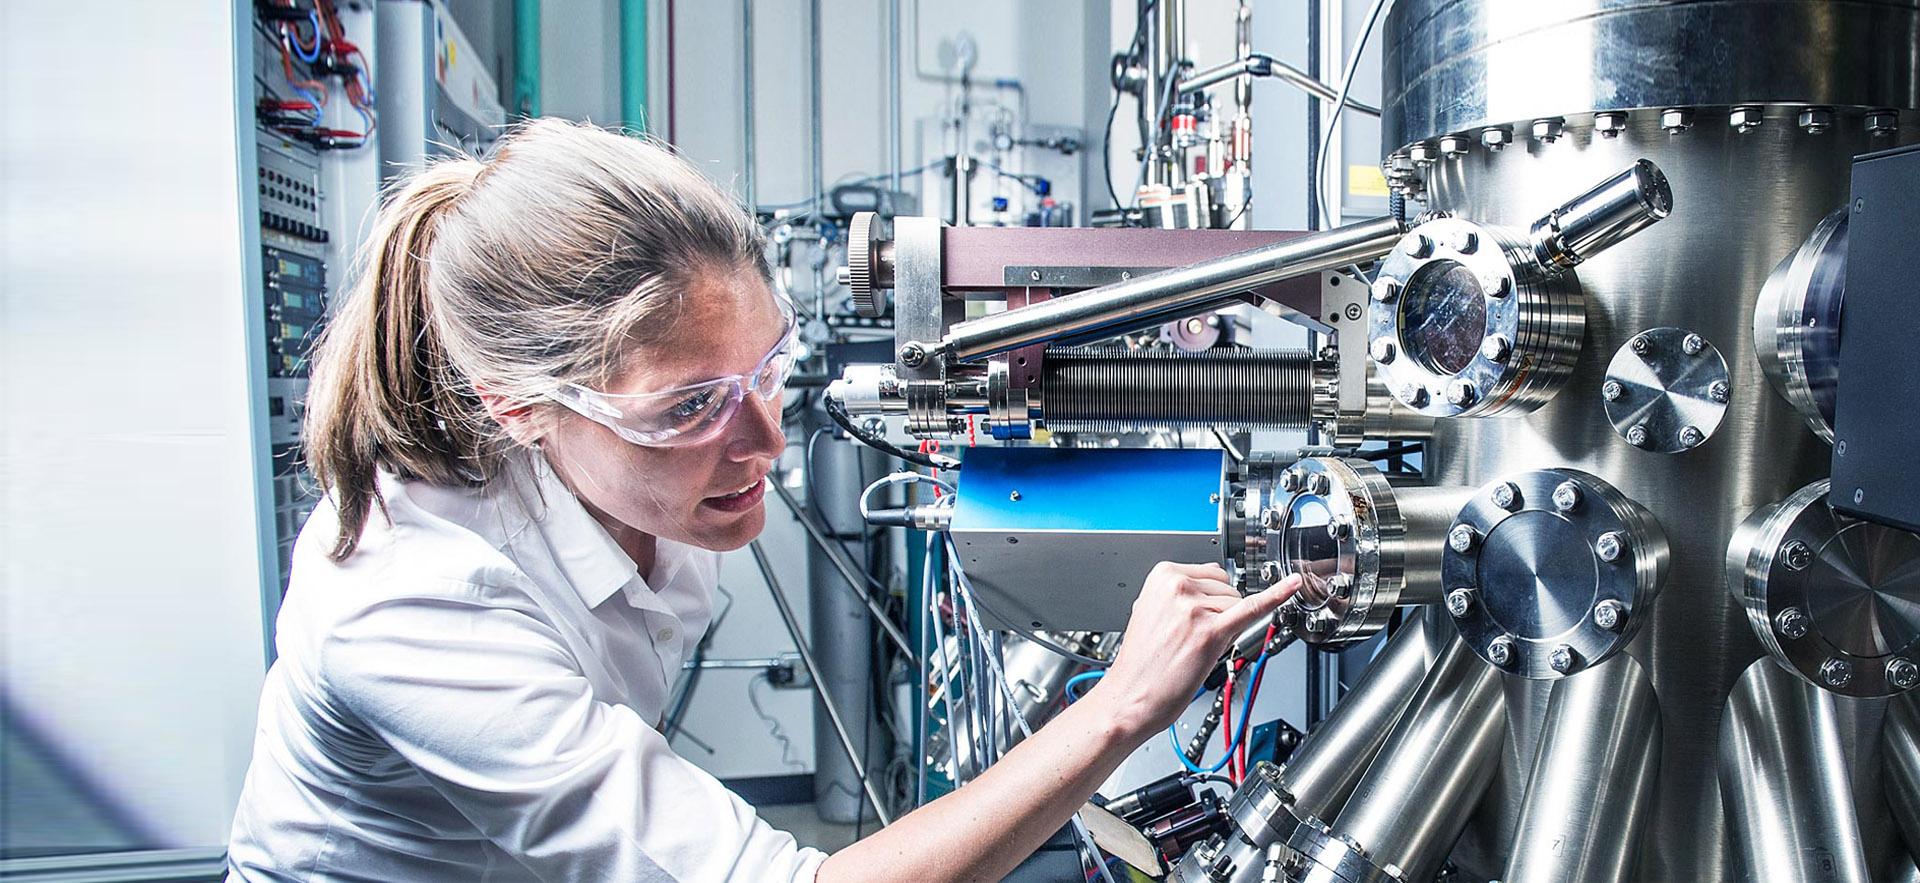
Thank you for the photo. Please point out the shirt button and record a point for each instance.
(664, 635)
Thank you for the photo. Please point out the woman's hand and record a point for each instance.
(1183, 621)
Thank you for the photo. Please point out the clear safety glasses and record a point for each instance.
(686, 415)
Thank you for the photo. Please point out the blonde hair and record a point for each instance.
(548, 262)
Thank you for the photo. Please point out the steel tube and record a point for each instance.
(1435, 766)
(1783, 780)
(1900, 757)
(1261, 64)
(813, 671)
(1592, 783)
(1325, 768)
(854, 577)
(1427, 513)
(1595, 220)
(1157, 297)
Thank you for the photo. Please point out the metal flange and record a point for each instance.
(1463, 321)
(1551, 571)
(1796, 323)
(1329, 857)
(1263, 814)
(1666, 390)
(1835, 599)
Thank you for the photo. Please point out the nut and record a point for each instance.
(1500, 651)
(914, 354)
(1293, 479)
(1453, 145)
(1270, 572)
(1423, 153)
(1902, 673)
(1816, 120)
(1340, 528)
(1548, 130)
(1693, 344)
(1612, 390)
(1319, 484)
(1506, 495)
(1882, 122)
(1271, 518)
(1414, 395)
(1609, 124)
(1796, 554)
(1610, 615)
(1792, 623)
(1460, 601)
(1496, 348)
(1562, 658)
(1610, 546)
(1496, 137)
(1676, 120)
(1746, 118)
(1836, 672)
(1566, 496)
(1462, 393)
(1462, 538)
(1500, 288)
(1013, 496)
(1383, 351)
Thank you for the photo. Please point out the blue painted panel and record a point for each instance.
(1157, 490)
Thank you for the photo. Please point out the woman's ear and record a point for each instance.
(520, 420)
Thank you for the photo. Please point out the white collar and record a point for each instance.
(588, 557)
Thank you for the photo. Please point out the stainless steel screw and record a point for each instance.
(1500, 288)
(1610, 546)
(1340, 528)
(1836, 672)
(1637, 435)
(1271, 518)
(1383, 351)
(914, 354)
(1459, 601)
(1746, 118)
(1341, 585)
(1385, 289)
(1014, 496)
(1270, 572)
(1609, 124)
(1902, 673)
(1676, 120)
(1612, 390)
(1415, 395)
(1466, 242)
(1500, 651)
(1693, 344)
(1548, 130)
(1720, 391)
(1792, 623)
(1566, 496)
(1496, 348)
(1640, 345)
(1496, 137)
(1462, 537)
(1506, 495)
(1691, 436)
(1319, 484)
(1417, 245)
(1815, 120)
(1034, 275)
(1610, 615)
(1461, 393)
(1423, 154)
(1561, 658)
(1452, 145)
(1797, 555)
(1882, 122)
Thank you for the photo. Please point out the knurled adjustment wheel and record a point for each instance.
(861, 272)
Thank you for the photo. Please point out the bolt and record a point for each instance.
(1676, 120)
(1319, 484)
(1720, 391)
(1341, 585)
(1461, 393)
(1566, 496)
(1902, 673)
(1637, 435)
(1561, 658)
(1383, 351)
(1417, 245)
(1414, 395)
(1460, 600)
(1423, 153)
(1034, 275)
(1610, 546)
(1792, 623)
(1452, 145)
(1466, 242)
(1462, 537)
(1270, 572)
(1340, 528)
(1014, 496)
(1816, 120)
(1214, 499)
(1796, 554)
(1292, 480)
(1612, 390)
(1640, 345)
(1496, 137)
(1500, 651)
(1836, 672)
(1506, 495)
(874, 426)
(1548, 130)
(914, 354)
(1270, 518)
(1610, 615)
(1496, 348)
(1882, 122)
(1691, 436)
(1610, 124)
(1859, 495)
(1500, 288)
(1745, 118)
(1385, 289)
(1693, 344)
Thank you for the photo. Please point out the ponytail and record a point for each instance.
(384, 393)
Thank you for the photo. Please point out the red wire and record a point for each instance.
(1226, 723)
(1253, 695)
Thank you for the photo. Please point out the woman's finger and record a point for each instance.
(1248, 610)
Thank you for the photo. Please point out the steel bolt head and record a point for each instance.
(1496, 137)
(1792, 623)
(1319, 484)
(1417, 245)
(1462, 538)
(1013, 496)
(1460, 601)
(1562, 658)
(1270, 518)
(1496, 348)
(1882, 122)
(1292, 479)
(1676, 120)
(1640, 345)
(1609, 124)
(1506, 495)
(1341, 585)
(1548, 130)
(1637, 435)
(1423, 153)
(1500, 288)
(1610, 615)
(1383, 351)
(1796, 555)
(1340, 528)
(1452, 145)
(1902, 673)
(1610, 546)
(1836, 672)
(1500, 651)
(1816, 120)
(1466, 241)
(1720, 391)
(913, 355)
(1385, 289)
(1612, 390)
(1462, 393)
(1566, 496)
(1746, 118)
(1415, 395)
(1270, 572)
(1693, 344)
(1691, 436)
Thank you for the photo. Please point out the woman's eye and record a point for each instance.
(691, 407)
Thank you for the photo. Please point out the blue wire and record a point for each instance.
(1246, 712)
(1081, 678)
(314, 18)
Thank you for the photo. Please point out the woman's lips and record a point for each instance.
(739, 502)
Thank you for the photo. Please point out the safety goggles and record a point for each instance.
(685, 415)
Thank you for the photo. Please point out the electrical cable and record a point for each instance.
(838, 413)
(1085, 677)
(1113, 109)
(1173, 735)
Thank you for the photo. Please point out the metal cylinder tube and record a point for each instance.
(1613, 210)
(1592, 782)
(1783, 779)
(1169, 294)
(1900, 756)
(1091, 390)
(1427, 512)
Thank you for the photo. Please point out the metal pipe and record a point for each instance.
(1613, 210)
(1260, 64)
(1783, 780)
(1426, 514)
(1900, 756)
(633, 65)
(855, 579)
(747, 160)
(894, 139)
(1325, 768)
(1415, 799)
(813, 671)
(1157, 297)
(1592, 785)
(526, 57)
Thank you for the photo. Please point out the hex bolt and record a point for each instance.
(1548, 130)
(1882, 122)
(1423, 154)
(1270, 572)
(1562, 658)
(1610, 615)
(1745, 118)
(1341, 585)
(914, 354)
(1383, 351)
(1500, 288)
(1319, 484)
(1720, 391)
(1460, 601)
(1385, 289)
(1452, 146)
(1640, 345)
(1836, 672)
(1292, 480)
(1500, 651)
(1637, 435)
(1796, 554)
(1566, 496)
(1271, 518)
(1418, 245)
(1693, 344)
(1792, 623)
(1496, 137)
(1902, 673)
(1816, 120)
(1014, 496)
(1462, 393)
(1691, 436)
(1466, 242)
(1496, 348)
(1414, 395)
(1506, 495)
(1609, 124)
(1612, 390)
(1340, 528)
(1610, 546)
(1462, 538)
(1676, 120)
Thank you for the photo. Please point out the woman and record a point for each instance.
(531, 467)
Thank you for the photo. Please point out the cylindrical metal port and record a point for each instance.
(1596, 220)
(1102, 390)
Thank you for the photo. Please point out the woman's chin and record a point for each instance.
(727, 531)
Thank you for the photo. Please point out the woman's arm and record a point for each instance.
(1184, 619)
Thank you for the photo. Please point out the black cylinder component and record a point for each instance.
(1153, 800)
(1113, 390)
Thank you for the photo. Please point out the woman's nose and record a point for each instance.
(756, 430)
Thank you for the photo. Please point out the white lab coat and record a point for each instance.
(474, 695)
